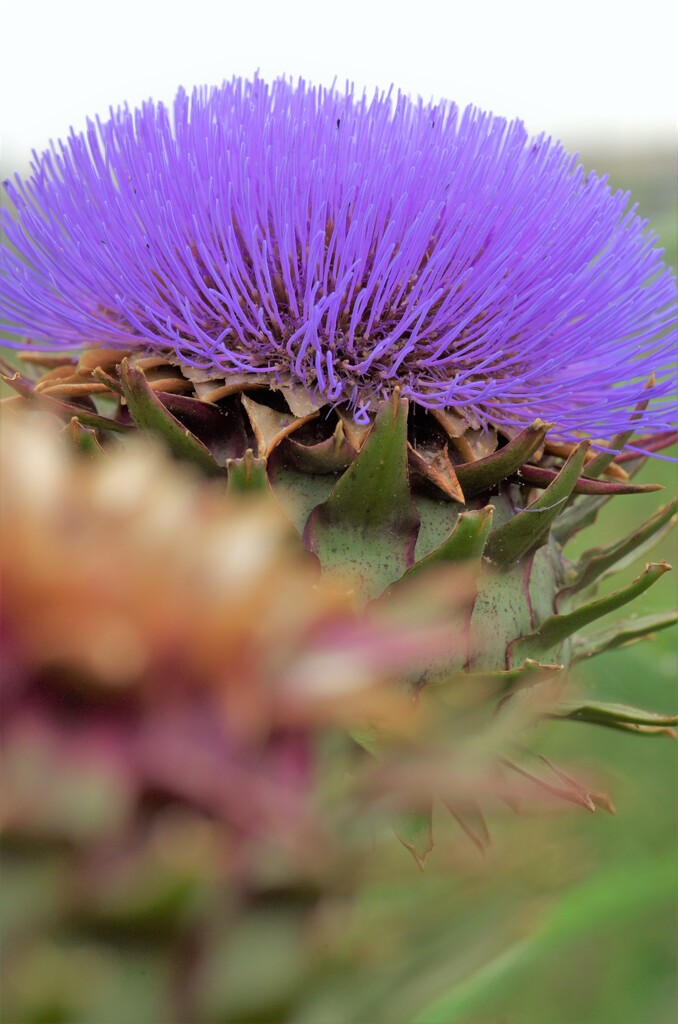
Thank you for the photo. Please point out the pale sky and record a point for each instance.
(590, 71)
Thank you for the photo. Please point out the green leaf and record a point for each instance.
(596, 562)
(500, 613)
(622, 634)
(112, 383)
(333, 455)
(297, 490)
(529, 674)
(219, 427)
(479, 476)
(247, 474)
(150, 414)
(581, 513)
(465, 543)
(83, 439)
(558, 628)
(543, 577)
(415, 832)
(530, 528)
(367, 528)
(615, 716)
(437, 518)
(598, 465)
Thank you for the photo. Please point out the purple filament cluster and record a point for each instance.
(353, 244)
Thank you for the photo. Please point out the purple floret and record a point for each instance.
(354, 245)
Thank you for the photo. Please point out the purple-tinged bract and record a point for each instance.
(351, 245)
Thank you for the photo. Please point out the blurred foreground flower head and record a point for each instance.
(342, 247)
(135, 592)
(183, 625)
(178, 780)
(128, 569)
(175, 762)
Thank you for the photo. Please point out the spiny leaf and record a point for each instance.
(297, 397)
(438, 517)
(596, 562)
(83, 439)
(270, 426)
(471, 443)
(581, 513)
(247, 474)
(598, 466)
(558, 628)
(642, 730)
(599, 798)
(297, 492)
(615, 716)
(220, 428)
(530, 527)
(106, 379)
(475, 477)
(333, 455)
(652, 443)
(88, 417)
(356, 433)
(471, 819)
(149, 413)
(367, 527)
(466, 541)
(18, 383)
(500, 613)
(562, 449)
(415, 832)
(541, 477)
(529, 674)
(623, 634)
(601, 462)
(435, 466)
(571, 793)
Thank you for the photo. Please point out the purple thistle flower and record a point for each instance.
(350, 245)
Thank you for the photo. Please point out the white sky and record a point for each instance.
(590, 71)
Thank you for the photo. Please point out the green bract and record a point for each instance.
(409, 491)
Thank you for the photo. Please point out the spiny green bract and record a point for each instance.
(380, 502)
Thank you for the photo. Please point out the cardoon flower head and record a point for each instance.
(348, 246)
(404, 326)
